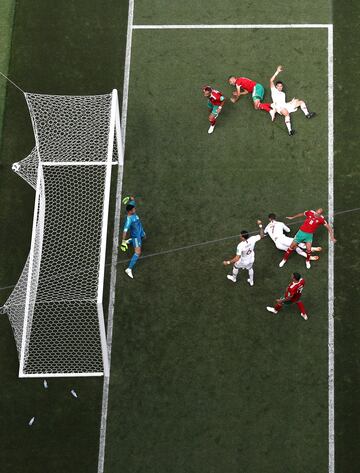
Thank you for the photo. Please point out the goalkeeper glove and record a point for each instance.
(124, 245)
(125, 200)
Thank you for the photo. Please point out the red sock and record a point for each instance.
(213, 122)
(287, 253)
(278, 307)
(308, 254)
(301, 307)
(265, 106)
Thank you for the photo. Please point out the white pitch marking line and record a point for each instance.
(329, 27)
(105, 398)
(331, 356)
(229, 27)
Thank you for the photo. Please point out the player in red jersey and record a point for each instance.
(292, 295)
(314, 219)
(216, 102)
(247, 86)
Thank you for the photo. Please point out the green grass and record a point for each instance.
(203, 378)
(229, 12)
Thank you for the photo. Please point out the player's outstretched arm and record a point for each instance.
(296, 216)
(331, 233)
(231, 261)
(276, 73)
(261, 230)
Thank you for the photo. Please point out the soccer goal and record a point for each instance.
(56, 308)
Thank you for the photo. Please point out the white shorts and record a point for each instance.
(283, 242)
(289, 106)
(244, 265)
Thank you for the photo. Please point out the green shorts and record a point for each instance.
(303, 237)
(213, 109)
(258, 92)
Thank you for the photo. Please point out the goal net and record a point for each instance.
(56, 308)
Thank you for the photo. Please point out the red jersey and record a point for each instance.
(294, 290)
(216, 97)
(245, 83)
(312, 222)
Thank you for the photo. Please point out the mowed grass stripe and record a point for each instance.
(203, 378)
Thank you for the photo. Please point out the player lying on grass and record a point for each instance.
(216, 102)
(276, 229)
(282, 107)
(314, 219)
(292, 295)
(245, 255)
(134, 226)
(246, 86)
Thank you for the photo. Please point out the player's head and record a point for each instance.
(207, 90)
(296, 277)
(130, 209)
(319, 211)
(244, 235)
(279, 85)
(232, 80)
(272, 217)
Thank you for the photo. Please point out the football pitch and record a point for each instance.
(203, 378)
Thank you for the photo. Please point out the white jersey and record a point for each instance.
(278, 97)
(245, 250)
(275, 230)
(279, 101)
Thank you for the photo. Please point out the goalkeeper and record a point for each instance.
(134, 226)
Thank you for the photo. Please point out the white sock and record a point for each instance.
(251, 275)
(304, 108)
(288, 123)
(299, 251)
(235, 272)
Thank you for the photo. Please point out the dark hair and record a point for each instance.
(129, 207)
(230, 77)
(244, 234)
(279, 82)
(207, 88)
(272, 216)
(297, 276)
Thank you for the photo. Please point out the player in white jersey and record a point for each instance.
(281, 106)
(245, 255)
(276, 230)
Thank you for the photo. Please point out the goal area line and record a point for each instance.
(232, 26)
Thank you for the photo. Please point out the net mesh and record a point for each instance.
(54, 309)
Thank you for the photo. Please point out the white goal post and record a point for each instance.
(56, 308)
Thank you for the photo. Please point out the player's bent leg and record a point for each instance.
(302, 310)
(300, 252)
(286, 114)
(288, 253)
(212, 120)
(256, 103)
(232, 277)
(308, 254)
(251, 277)
(305, 110)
